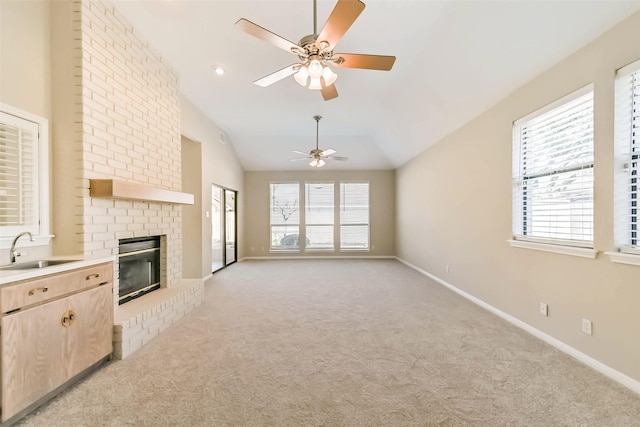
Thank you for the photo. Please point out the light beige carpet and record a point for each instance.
(341, 343)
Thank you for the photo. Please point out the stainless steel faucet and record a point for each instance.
(13, 254)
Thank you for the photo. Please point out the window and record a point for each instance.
(319, 215)
(24, 166)
(285, 216)
(553, 173)
(627, 158)
(354, 215)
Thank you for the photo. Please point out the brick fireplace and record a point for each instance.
(127, 122)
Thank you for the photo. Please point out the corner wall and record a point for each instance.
(219, 165)
(454, 209)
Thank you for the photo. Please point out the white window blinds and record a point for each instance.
(319, 215)
(285, 216)
(354, 215)
(553, 173)
(627, 155)
(19, 181)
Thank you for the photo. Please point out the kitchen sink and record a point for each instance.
(36, 264)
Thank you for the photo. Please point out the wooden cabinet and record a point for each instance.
(48, 337)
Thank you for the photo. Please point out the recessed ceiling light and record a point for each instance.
(218, 69)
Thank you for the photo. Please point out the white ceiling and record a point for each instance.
(454, 60)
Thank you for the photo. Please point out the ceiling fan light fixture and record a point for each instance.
(317, 163)
(329, 76)
(315, 83)
(302, 76)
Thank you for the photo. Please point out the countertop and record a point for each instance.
(10, 276)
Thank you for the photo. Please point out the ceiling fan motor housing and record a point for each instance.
(309, 48)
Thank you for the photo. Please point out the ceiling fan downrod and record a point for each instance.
(317, 119)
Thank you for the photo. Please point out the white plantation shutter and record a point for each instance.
(354, 215)
(553, 173)
(627, 149)
(319, 215)
(285, 216)
(19, 181)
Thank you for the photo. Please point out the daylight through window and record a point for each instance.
(627, 155)
(553, 173)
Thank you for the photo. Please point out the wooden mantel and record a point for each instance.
(113, 189)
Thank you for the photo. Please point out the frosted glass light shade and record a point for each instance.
(329, 76)
(302, 76)
(315, 69)
(315, 83)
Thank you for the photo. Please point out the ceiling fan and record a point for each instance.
(317, 155)
(315, 51)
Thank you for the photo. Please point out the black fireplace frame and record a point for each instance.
(138, 266)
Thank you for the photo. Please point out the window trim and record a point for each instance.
(368, 224)
(624, 252)
(308, 248)
(578, 248)
(43, 237)
(300, 220)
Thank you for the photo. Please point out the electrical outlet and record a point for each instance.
(544, 309)
(447, 269)
(587, 327)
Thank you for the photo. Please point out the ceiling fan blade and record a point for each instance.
(341, 158)
(342, 17)
(299, 158)
(328, 92)
(299, 152)
(266, 35)
(276, 76)
(367, 62)
(328, 152)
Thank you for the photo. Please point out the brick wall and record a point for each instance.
(128, 118)
(127, 127)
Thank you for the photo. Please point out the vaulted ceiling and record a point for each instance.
(454, 60)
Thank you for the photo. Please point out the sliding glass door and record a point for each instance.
(217, 255)
(230, 226)
(223, 227)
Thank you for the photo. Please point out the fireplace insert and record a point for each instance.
(139, 266)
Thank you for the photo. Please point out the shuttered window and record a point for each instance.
(354, 215)
(627, 158)
(553, 173)
(285, 216)
(19, 179)
(319, 215)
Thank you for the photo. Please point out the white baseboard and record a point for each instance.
(617, 376)
(290, 257)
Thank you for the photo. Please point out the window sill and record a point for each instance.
(623, 258)
(558, 249)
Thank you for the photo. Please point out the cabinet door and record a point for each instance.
(90, 336)
(33, 355)
(40, 353)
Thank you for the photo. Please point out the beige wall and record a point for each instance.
(25, 57)
(382, 214)
(454, 209)
(24, 39)
(219, 165)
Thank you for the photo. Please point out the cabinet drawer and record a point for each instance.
(33, 291)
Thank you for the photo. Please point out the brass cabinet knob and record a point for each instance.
(68, 318)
